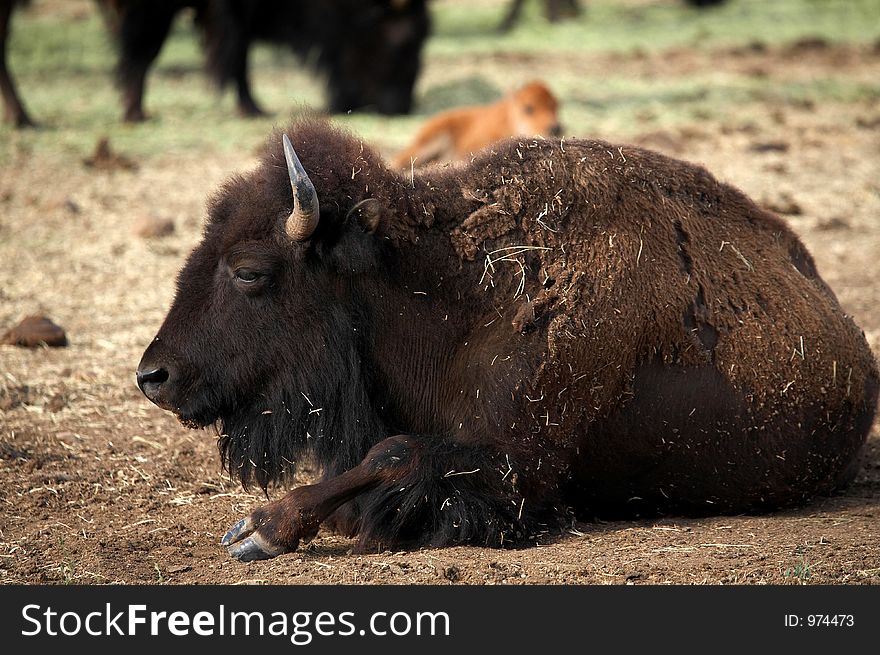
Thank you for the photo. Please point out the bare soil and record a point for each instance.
(99, 486)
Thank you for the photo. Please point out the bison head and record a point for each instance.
(261, 339)
(376, 64)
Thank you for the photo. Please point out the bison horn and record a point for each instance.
(304, 218)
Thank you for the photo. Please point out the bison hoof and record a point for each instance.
(22, 121)
(252, 111)
(135, 116)
(252, 549)
(245, 544)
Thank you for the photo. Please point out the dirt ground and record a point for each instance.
(99, 486)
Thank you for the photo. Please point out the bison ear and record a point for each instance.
(367, 213)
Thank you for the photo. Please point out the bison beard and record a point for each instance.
(262, 443)
(473, 354)
(421, 489)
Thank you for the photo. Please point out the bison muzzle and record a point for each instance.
(479, 354)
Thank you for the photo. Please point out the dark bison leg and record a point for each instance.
(247, 106)
(511, 16)
(13, 109)
(554, 10)
(557, 10)
(408, 491)
(228, 39)
(143, 28)
(280, 526)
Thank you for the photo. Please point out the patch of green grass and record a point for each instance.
(619, 104)
(65, 72)
(614, 26)
(68, 566)
(801, 570)
(65, 75)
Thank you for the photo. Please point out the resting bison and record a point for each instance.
(476, 353)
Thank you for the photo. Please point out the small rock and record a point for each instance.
(56, 403)
(12, 397)
(833, 223)
(151, 226)
(784, 204)
(757, 71)
(34, 331)
(11, 453)
(803, 103)
(808, 44)
(181, 568)
(769, 146)
(63, 203)
(106, 160)
(452, 573)
(777, 167)
(868, 122)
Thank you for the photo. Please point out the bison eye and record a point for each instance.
(246, 276)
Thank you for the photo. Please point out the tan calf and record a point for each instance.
(458, 133)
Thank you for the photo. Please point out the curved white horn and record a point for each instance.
(304, 217)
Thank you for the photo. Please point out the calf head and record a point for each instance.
(534, 111)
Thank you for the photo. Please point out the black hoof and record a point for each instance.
(245, 544)
(235, 533)
(250, 550)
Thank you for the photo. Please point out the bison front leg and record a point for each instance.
(279, 527)
(408, 491)
(141, 30)
(13, 111)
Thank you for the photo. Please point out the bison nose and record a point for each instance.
(150, 381)
(556, 130)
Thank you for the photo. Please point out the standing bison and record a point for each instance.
(369, 50)
(474, 354)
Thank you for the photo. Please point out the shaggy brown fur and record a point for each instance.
(558, 325)
(531, 110)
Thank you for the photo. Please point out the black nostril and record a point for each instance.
(556, 130)
(155, 376)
